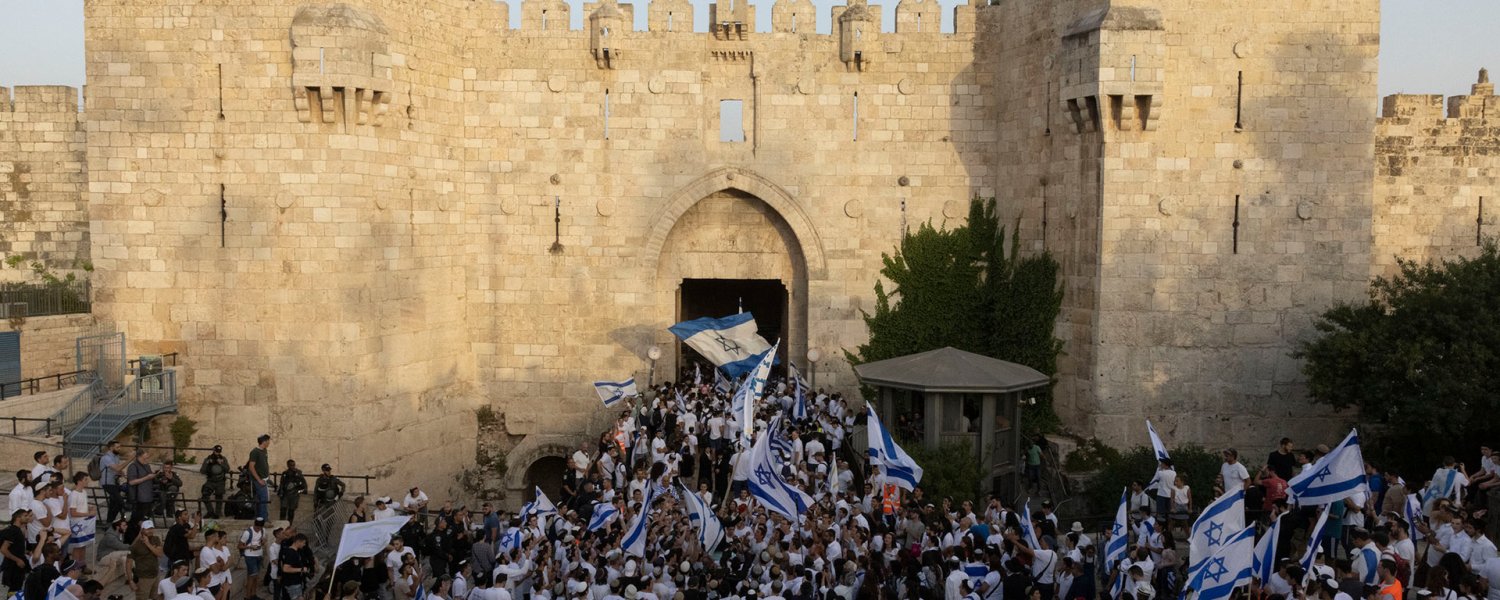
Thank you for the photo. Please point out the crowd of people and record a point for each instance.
(682, 445)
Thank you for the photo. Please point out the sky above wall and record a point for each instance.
(1427, 46)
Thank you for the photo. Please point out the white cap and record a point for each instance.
(147, 524)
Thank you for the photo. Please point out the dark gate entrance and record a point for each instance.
(764, 298)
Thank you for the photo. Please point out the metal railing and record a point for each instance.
(81, 406)
(35, 384)
(41, 300)
(169, 360)
(96, 416)
(15, 428)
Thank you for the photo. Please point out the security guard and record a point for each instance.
(216, 469)
(328, 489)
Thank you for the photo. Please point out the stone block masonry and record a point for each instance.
(362, 221)
(43, 215)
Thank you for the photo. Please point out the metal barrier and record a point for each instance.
(15, 429)
(41, 300)
(34, 385)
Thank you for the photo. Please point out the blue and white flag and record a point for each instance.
(540, 507)
(612, 392)
(1314, 540)
(1119, 536)
(1413, 512)
(1160, 448)
(766, 484)
(1338, 475)
(721, 383)
(732, 342)
(751, 390)
(421, 593)
(1265, 551)
(697, 375)
(1220, 520)
(510, 540)
(799, 394)
(710, 531)
(1230, 566)
(82, 530)
(1028, 528)
(1442, 486)
(894, 464)
(604, 512)
(634, 541)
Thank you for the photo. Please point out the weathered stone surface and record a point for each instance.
(480, 216)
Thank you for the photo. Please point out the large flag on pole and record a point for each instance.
(799, 393)
(604, 512)
(710, 531)
(1338, 475)
(893, 462)
(1315, 539)
(1413, 512)
(766, 484)
(1223, 518)
(1265, 551)
(755, 385)
(1119, 541)
(1028, 527)
(634, 541)
(611, 392)
(363, 540)
(540, 507)
(1230, 567)
(731, 342)
(1160, 448)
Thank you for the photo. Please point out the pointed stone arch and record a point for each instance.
(734, 178)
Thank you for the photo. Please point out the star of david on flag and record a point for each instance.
(731, 343)
(1225, 514)
(1338, 475)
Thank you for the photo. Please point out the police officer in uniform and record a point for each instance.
(216, 470)
(328, 489)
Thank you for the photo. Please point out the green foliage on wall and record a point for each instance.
(1198, 466)
(969, 288)
(951, 470)
(1420, 360)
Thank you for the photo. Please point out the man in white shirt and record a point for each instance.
(383, 508)
(42, 467)
(252, 548)
(1161, 487)
(20, 496)
(1481, 549)
(393, 559)
(415, 501)
(1234, 474)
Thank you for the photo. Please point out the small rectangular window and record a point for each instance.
(731, 120)
(606, 114)
(856, 116)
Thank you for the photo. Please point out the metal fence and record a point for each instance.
(20, 300)
(42, 384)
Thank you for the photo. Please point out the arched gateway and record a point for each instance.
(728, 241)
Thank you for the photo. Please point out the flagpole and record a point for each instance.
(332, 575)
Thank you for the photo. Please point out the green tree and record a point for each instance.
(1420, 360)
(969, 288)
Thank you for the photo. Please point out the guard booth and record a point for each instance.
(949, 395)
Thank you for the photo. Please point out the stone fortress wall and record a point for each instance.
(43, 214)
(360, 222)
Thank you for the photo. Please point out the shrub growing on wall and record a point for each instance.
(1198, 466)
(964, 288)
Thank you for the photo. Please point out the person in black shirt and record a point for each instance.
(440, 547)
(44, 574)
(1282, 460)
(327, 489)
(295, 567)
(290, 489)
(177, 544)
(13, 551)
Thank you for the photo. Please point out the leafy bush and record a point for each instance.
(951, 470)
(1198, 466)
(183, 430)
(1092, 454)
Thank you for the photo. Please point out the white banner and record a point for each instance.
(363, 540)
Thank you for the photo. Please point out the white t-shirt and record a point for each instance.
(715, 427)
(210, 555)
(1164, 482)
(58, 508)
(393, 559)
(411, 503)
(254, 542)
(383, 513)
(1044, 566)
(1234, 476)
(78, 502)
(20, 497)
(167, 588)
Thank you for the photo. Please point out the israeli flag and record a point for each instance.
(799, 394)
(634, 541)
(1028, 529)
(1319, 531)
(1214, 527)
(1265, 551)
(766, 484)
(895, 465)
(1119, 533)
(697, 375)
(721, 384)
(540, 507)
(1413, 512)
(732, 342)
(1230, 566)
(1338, 475)
(710, 531)
(1442, 485)
(612, 392)
(604, 512)
(510, 540)
(833, 476)
(754, 386)
(1161, 449)
(82, 530)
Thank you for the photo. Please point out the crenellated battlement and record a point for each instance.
(50, 99)
(912, 18)
(1480, 103)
